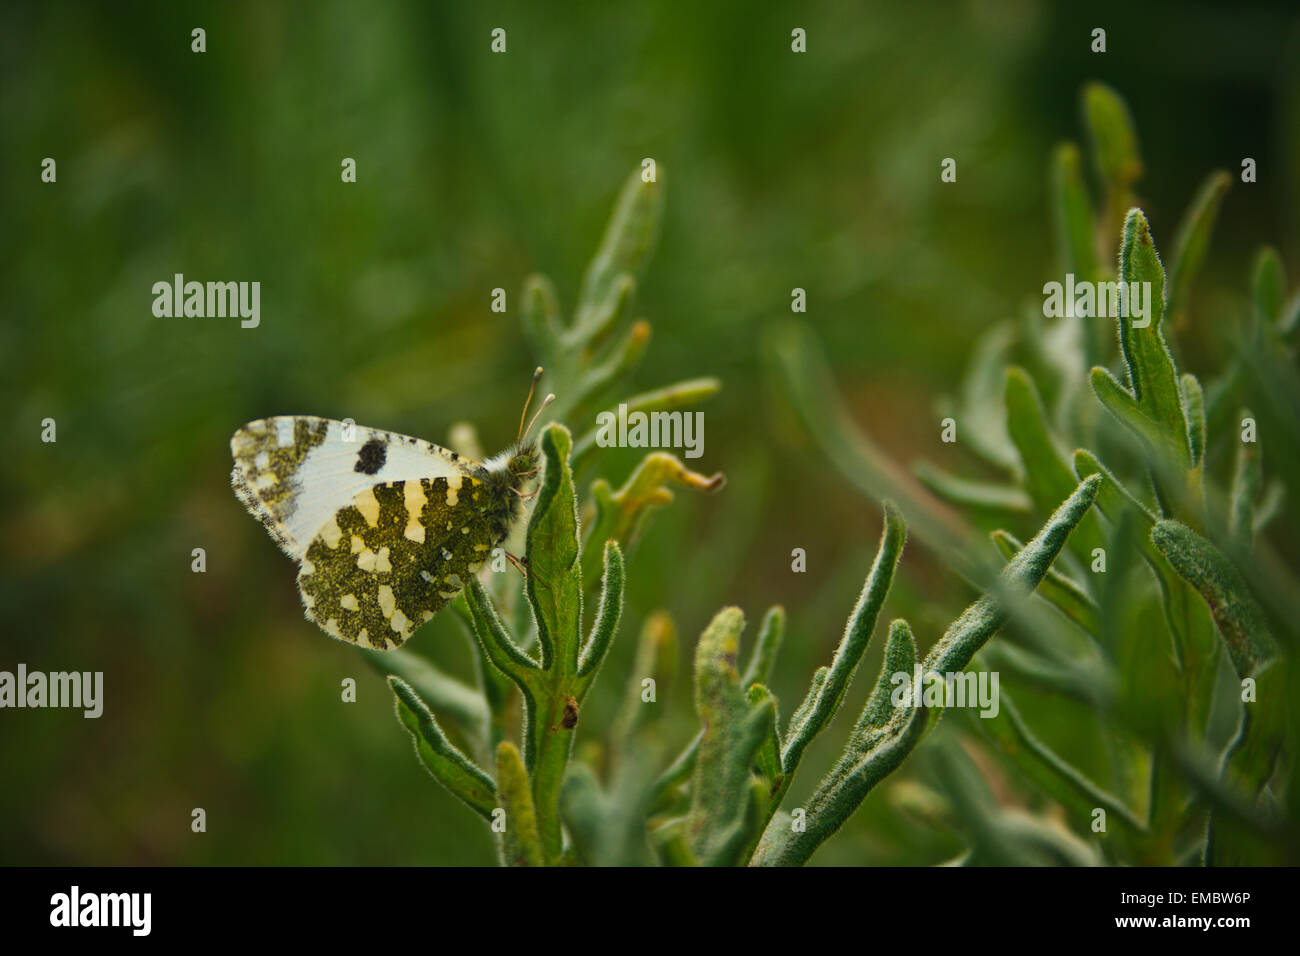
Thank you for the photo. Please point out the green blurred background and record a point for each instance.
(818, 170)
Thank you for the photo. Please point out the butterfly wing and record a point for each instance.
(388, 561)
(294, 472)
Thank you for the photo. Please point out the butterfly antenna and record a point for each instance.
(545, 402)
(537, 377)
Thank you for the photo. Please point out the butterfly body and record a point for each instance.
(387, 529)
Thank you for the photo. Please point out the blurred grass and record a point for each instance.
(818, 171)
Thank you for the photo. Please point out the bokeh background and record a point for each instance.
(818, 170)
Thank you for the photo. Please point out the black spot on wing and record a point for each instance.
(371, 457)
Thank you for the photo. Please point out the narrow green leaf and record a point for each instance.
(608, 829)
(620, 360)
(763, 657)
(1246, 479)
(670, 845)
(1152, 374)
(883, 737)
(656, 659)
(445, 763)
(629, 239)
(982, 416)
(458, 702)
(1193, 238)
(1194, 403)
(1268, 286)
(1072, 214)
(1112, 496)
(611, 608)
(1270, 505)
(983, 496)
(733, 734)
(768, 758)
(877, 713)
(1252, 756)
(520, 842)
(857, 634)
(1119, 401)
(678, 771)
(504, 654)
(1062, 592)
(555, 575)
(586, 810)
(1061, 781)
(1190, 624)
(1000, 836)
(1241, 620)
(985, 617)
(1088, 684)
(815, 687)
(1113, 135)
(1048, 475)
(1290, 319)
(541, 312)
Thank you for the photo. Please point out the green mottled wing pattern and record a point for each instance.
(386, 563)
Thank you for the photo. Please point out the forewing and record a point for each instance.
(390, 560)
(294, 472)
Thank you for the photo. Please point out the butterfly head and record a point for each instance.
(523, 461)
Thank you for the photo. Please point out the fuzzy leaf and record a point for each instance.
(981, 620)
(497, 645)
(629, 239)
(763, 657)
(458, 702)
(1155, 395)
(1062, 592)
(608, 829)
(722, 818)
(1048, 475)
(448, 766)
(883, 737)
(520, 842)
(1241, 620)
(555, 575)
(820, 709)
(611, 608)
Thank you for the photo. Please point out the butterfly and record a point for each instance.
(386, 529)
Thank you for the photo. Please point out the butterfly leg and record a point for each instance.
(521, 565)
